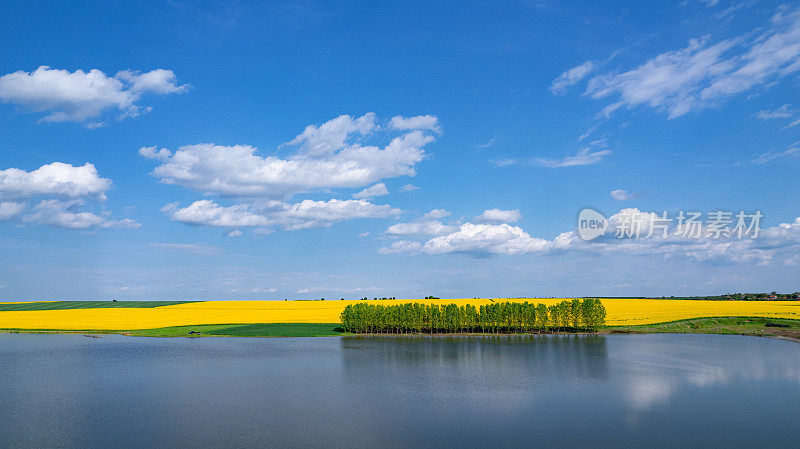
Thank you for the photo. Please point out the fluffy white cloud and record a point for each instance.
(426, 227)
(331, 136)
(428, 224)
(481, 237)
(485, 239)
(63, 181)
(159, 81)
(67, 214)
(401, 246)
(703, 74)
(498, 216)
(308, 213)
(494, 239)
(324, 160)
(272, 214)
(10, 209)
(154, 153)
(585, 156)
(57, 178)
(78, 96)
(332, 155)
(571, 77)
(419, 122)
(620, 195)
(437, 214)
(209, 213)
(373, 191)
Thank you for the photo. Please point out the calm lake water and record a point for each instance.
(620, 390)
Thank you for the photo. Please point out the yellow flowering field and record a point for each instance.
(620, 312)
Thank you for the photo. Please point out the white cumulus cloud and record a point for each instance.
(68, 214)
(57, 178)
(277, 214)
(401, 246)
(425, 227)
(485, 239)
(328, 156)
(428, 224)
(10, 209)
(209, 213)
(64, 96)
(498, 216)
(664, 239)
(257, 189)
(419, 122)
(64, 189)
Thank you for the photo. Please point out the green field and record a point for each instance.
(61, 305)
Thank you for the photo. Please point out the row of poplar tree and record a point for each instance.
(502, 317)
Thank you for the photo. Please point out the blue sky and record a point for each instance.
(306, 149)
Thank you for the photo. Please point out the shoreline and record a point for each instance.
(777, 328)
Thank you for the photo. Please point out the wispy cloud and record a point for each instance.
(624, 195)
(584, 156)
(372, 191)
(189, 248)
(781, 112)
(503, 162)
(571, 77)
(488, 144)
(792, 151)
(704, 74)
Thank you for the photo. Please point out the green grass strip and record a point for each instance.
(755, 326)
(245, 330)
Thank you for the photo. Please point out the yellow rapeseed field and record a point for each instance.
(620, 311)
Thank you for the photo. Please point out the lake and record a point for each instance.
(589, 391)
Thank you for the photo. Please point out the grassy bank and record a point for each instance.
(753, 326)
(210, 330)
(245, 330)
